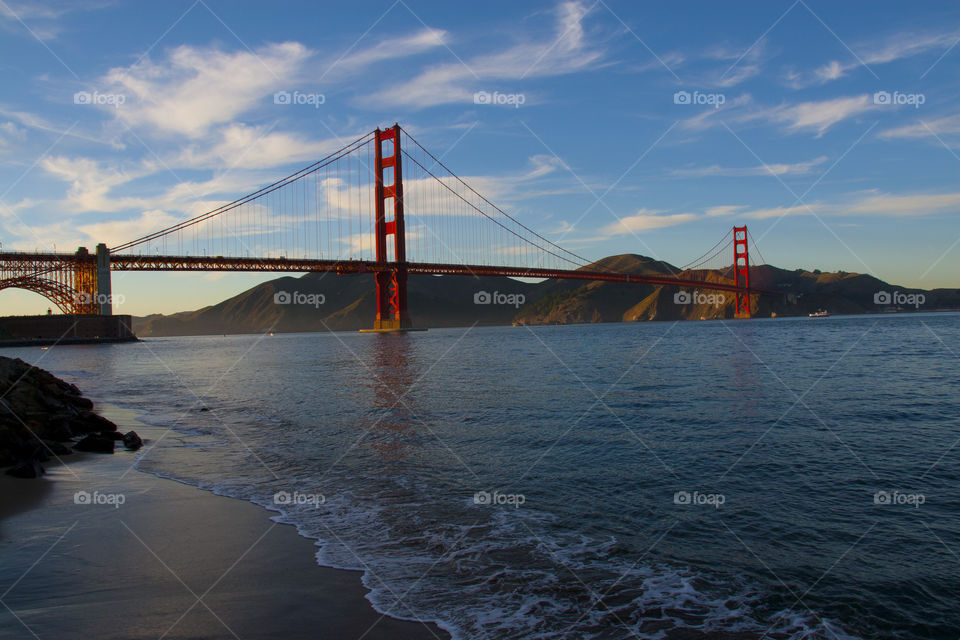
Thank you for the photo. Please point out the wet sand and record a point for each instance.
(171, 561)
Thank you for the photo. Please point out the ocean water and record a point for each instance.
(789, 478)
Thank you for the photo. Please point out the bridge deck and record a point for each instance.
(297, 265)
(29, 263)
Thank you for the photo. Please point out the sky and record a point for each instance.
(831, 129)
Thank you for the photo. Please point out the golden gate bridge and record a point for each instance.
(373, 206)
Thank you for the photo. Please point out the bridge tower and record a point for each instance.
(741, 271)
(104, 300)
(392, 313)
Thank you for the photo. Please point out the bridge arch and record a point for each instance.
(65, 297)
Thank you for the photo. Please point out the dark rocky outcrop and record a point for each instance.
(38, 413)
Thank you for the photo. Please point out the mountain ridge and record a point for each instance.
(320, 301)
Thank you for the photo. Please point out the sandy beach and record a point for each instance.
(147, 557)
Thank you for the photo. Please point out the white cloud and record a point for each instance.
(645, 220)
(778, 169)
(868, 203)
(778, 212)
(724, 210)
(893, 48)
(11, 132)
(565, 53)
(907, 205)
(948, 125)
(815, 116)
(253, 147)
(196, 88)
(393, 48)
(90, 183)
(115, 232)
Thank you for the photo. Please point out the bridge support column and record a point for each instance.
(392, 313)
(104, 299)
(84, 283)
(741, 271)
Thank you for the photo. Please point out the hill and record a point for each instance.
(317, 302)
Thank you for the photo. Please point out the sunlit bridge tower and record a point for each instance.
(741, 271)
(392, 313)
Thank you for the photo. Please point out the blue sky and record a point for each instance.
(831, 129)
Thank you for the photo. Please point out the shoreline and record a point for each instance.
(189, 563)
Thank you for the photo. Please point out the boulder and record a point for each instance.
(89, 422)
(57, 448)
(26, 469)
(40, 453)
(132, 441)
(98, 422)
(79, 401)
(95, 444)
(58, 429)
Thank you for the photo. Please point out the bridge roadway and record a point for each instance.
(121, 262)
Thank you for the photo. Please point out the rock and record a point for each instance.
(132, 441)
(89, 422)
(26, 469)
(79, 401)
(40, 453)
(98, 422)
(57, 448)
(58, 429)
(95, 444)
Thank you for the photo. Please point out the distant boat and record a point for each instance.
(823, 313)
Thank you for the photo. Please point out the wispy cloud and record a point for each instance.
(646, 220)
(892, 48)
(197, 88)
(566, 52)
(393, 48)
(812, 116)
(872, 202)
(948, 125)
(816, 116)
(777, 169)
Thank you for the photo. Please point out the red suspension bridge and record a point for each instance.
(374, 206)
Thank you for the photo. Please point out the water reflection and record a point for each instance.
(395, 424)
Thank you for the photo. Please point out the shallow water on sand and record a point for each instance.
(793, 477)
